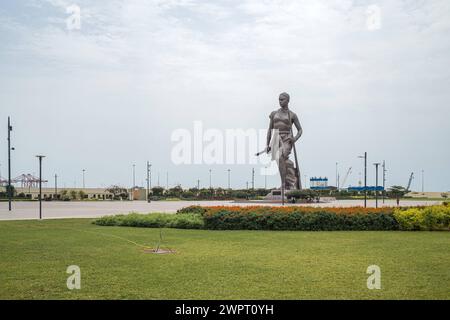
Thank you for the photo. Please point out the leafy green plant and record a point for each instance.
(299, 218)
(289, 218)
(153, 220)
(73, 195)
(425, 218)
(192, 209)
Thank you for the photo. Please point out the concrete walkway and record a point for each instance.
(91, 209)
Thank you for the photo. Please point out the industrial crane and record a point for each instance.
(346, 176)
(410, 180)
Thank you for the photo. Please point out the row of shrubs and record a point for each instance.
(298, 218)
(291, 218)
(153, 220)
(424, 218)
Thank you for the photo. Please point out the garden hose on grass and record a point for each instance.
(102, 234)
(145, 248)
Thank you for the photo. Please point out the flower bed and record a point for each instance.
(299, 218)
(290, 218)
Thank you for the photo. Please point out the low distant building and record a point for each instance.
(368, 188)
(318, 183)
(49, 193)
(139, 193)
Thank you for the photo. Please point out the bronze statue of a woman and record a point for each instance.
(282, 140)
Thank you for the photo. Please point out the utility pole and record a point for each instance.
(384, 180)
(365, 178)
(198, 184)
(84, 185)
(253, 178)
(149, 166)
(337, 183)
(265, 178)
(56, 186)
(229, 179)
(376, 183)
(9, 164)
(167, 180)
(210, 181)
(150, 176)
(40, 185)
(423, 183)
(134, 176)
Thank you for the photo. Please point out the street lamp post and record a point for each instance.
(149, 168)
(423, 183)
(253, 178)
(384, 180)
(134, 176)
(229, 179)
(40, 185)
(210, 181)
(365, 178)
(84, 185)
(337, 183)
(265, 178)
(9, 164)
(376, 183)
(56, 186)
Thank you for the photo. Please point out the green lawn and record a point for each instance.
(34, 256)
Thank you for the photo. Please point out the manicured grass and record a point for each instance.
(34, 256)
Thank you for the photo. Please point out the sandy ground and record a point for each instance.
(56, 210)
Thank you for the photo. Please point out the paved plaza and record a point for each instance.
(91, 209)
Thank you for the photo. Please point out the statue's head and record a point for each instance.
(284, 100)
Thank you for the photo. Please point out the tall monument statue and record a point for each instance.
(281, 142)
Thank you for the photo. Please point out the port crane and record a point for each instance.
(346, 176)
(411, 177)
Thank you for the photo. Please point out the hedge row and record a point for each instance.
(426, 218)
(299, 218)
(193, 209)
(153, 220)
(290, 218)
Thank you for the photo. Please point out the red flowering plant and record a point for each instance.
(298, 218)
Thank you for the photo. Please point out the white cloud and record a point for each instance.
(226, 61)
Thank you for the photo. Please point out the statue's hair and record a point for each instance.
(286, 95)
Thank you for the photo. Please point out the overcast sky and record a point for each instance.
(111, 93)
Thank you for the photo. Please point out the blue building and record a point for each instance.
(368, 188)
(318, 183)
